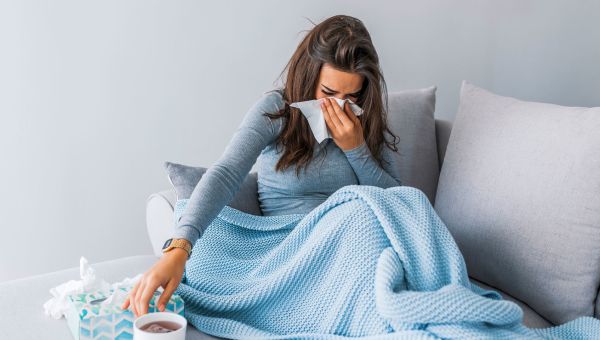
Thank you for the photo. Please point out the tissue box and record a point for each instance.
(92, 321)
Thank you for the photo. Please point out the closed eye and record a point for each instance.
(331, 94)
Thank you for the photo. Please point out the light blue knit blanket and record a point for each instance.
(368, 262)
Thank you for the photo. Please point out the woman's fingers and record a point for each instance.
(340, 114)
(127, 301)
(131, 297)
(138, 297)
(146, 296)
(328, 112)
(125, 304)
(328, 121)
(351, 113)
(166, 294)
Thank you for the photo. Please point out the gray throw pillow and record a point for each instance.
(184, 179)
(411, 118)
(519, 190)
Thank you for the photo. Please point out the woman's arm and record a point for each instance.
(223, 179)
(368, 170)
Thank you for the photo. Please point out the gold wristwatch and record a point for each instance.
(177, 243)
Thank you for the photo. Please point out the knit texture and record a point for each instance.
(368, 262)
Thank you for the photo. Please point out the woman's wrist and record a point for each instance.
(177, 253)
(357, 149)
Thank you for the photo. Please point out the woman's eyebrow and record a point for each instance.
(334, 91)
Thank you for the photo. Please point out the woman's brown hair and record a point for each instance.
(343, 42)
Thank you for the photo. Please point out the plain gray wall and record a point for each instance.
(96, 95)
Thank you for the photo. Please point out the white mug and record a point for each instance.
(141, 321)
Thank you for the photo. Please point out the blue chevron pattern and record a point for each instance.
(92, 321)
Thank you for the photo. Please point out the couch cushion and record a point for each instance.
(184, 179)
(25, 297)
(519, 190)
(442, 133)
(531, 319)
(411, 118)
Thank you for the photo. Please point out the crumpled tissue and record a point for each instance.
(311, 109)
(57, 306)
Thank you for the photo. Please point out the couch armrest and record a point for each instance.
(159, 218)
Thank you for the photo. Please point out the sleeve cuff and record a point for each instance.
(187, 232)
(360, 150)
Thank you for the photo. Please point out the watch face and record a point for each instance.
(167, 243)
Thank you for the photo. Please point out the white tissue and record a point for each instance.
(311, 109)
(58, 305)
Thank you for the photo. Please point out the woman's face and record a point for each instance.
(339, 84)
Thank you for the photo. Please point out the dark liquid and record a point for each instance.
(160, 327)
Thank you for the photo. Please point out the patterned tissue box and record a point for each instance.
(89, 320)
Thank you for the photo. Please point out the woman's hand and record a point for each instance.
(344, 125)
(167, 273)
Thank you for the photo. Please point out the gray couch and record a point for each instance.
(27, 321)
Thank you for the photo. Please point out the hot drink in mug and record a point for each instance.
(159, 326)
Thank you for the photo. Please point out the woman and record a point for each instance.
(335, 59)
(330, 258)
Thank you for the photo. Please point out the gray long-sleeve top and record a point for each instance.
(278, 192)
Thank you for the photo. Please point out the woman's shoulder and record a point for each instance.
(274, 97)
(269, 102)
(278, 90)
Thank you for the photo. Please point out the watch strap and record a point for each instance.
(178, 243)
